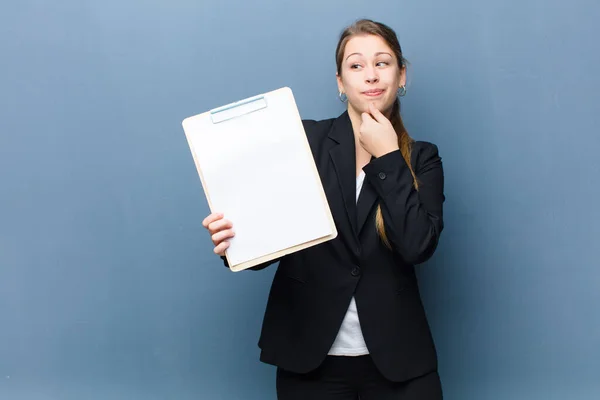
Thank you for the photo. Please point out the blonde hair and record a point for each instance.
(369, 27)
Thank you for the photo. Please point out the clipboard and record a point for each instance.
(256, 167)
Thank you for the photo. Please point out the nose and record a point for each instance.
(371, 76)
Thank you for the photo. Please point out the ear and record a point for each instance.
(340, 83)
(402, 77)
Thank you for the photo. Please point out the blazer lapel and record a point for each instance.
(366, 201)
(343, 155)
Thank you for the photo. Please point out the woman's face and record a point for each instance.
(370, 74)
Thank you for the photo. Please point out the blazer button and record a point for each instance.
(382, 175)
(355, 271)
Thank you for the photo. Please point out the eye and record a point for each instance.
(355, 66)
(383, 63)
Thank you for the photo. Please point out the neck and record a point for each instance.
(355, 118)
(363, 157)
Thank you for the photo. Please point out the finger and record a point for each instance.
(211, 218)
(222, 235)
(220, 249)
(219, 225)
(366, 117)
(377, 115)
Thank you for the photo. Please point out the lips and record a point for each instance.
(373, 92)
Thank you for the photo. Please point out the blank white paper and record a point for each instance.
(259, 171)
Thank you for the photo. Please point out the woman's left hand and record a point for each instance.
(377, 135)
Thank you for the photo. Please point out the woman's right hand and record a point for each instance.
(221, 230)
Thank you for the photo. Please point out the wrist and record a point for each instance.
(386, 150)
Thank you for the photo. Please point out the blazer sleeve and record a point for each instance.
(413, 219)
(256, 267)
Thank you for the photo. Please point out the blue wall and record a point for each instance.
(108, 287)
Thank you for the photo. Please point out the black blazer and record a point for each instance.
(312, 289)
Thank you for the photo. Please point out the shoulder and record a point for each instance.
(317, 131)
(421, 146)
(425, 154)
(317, 127)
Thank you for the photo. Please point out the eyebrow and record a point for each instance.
(376, 54)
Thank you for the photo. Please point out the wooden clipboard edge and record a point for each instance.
(278, 254)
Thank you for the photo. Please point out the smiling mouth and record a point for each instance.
(374, 92)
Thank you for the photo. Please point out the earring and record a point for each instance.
(402, 91)
(342, 96)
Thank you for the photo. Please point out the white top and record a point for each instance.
(349, 340)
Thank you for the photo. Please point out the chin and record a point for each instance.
(383, 105)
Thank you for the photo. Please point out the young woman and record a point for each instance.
(344, 319)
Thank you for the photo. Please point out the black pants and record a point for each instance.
(353, 378)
